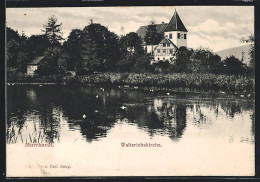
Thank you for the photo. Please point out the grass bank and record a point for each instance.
(185, 80)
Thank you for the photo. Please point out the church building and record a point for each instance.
(175, 36)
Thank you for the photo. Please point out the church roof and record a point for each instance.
(159, 29)
(175, 24)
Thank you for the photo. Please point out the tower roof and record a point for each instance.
(175, 24)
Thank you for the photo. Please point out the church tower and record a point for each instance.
(176, 31)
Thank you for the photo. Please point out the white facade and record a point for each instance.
(179, 38)
(31, 69)
(149, 48)
(175, 36)
(165, 51)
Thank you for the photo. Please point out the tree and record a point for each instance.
(234, 66)
(12, 47)
(251, 40)
(215, 64)
(53, 34)
(152, 37)
(131, 44)
(99, 49)
(50, 66)
(53, 31)
(36, 45)
(72, 48)
(205, 61)
(132, 53)
(142, 63)
(12, 35)
(182, 59)
(23, 57)
(16, 50)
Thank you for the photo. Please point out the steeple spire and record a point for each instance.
(175, 18)
(175, 24)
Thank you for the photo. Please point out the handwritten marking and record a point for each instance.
(75, 140)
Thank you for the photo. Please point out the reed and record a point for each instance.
(185, 80)
(14, 133)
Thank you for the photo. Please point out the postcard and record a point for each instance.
(130, 91)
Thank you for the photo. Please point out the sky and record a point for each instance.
(211, 27)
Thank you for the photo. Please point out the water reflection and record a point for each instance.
(159, 117)
(49, 119)
(200, 118)
(36, 114)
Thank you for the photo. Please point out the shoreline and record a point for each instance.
(31, 83)
(184, 82)
(146, 88)
(34, 83)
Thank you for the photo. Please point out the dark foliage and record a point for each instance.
(133, 57)
(131, 45)
(151, 36)
(182, 59)
(72, 48)
(99, 49)
(96, 49)
(52, 30)
(13, 41)
(36, 45)
(234, 66)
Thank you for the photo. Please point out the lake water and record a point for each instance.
(170, 134)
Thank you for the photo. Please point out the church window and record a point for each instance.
(164, 51)
(164, 44)
(185, 36)
(179, 35)
(168, 44)
(170, 36)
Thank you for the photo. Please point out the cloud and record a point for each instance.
(219, 35)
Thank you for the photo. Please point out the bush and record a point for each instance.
(12, 76)
(234, 66)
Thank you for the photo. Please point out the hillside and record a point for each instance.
(237, 52)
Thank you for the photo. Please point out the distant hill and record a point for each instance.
(237, 52)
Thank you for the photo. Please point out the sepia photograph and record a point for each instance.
(130, 91)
